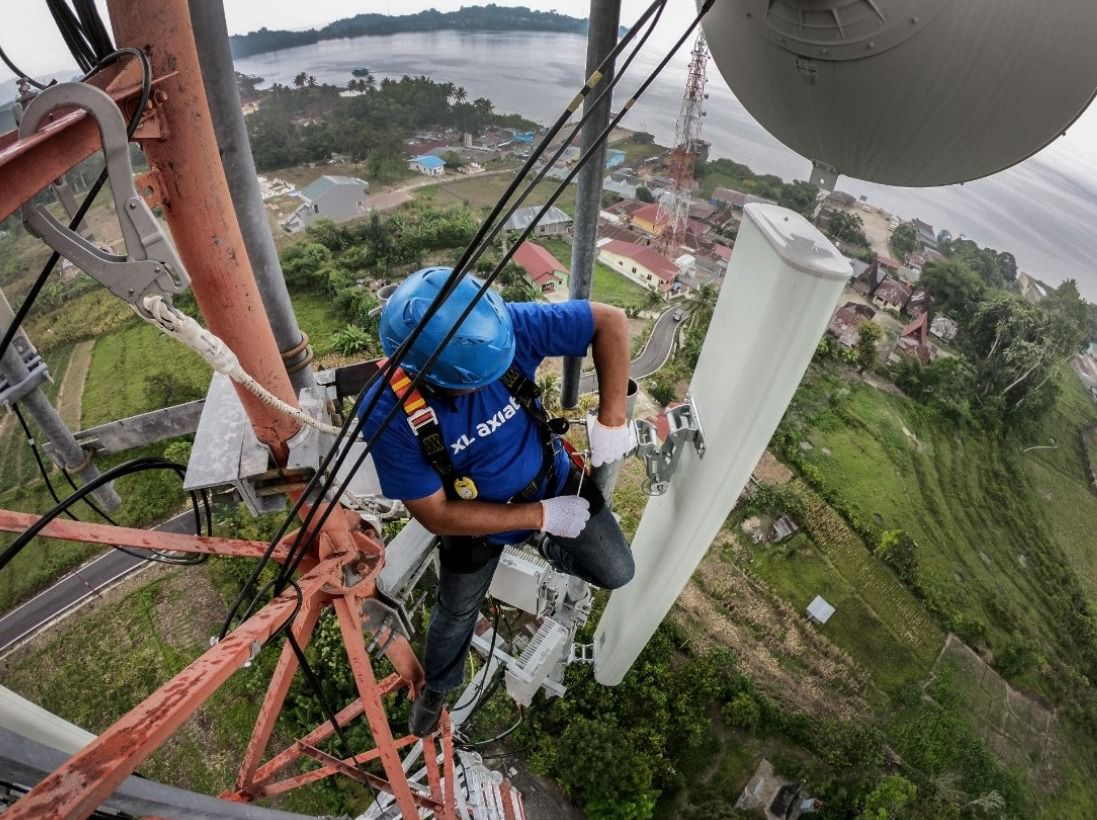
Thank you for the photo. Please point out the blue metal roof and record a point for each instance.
(427, 161)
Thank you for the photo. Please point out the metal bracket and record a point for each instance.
(385, 621)
(661, 460)
(581, 653)
(38, 373)
(150, 265)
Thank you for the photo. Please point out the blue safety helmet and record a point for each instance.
(480, 351)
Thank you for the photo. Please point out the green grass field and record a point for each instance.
(480, 193)
(994, 526)
(798, 570)
(122, 365)
(608, 286)
(317, 316)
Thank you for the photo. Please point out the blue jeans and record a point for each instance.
(600, 556)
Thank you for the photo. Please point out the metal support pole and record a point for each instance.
(199, 209)
(212, 40)
(66, 450)
(605, 17)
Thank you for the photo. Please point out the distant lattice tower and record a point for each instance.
(689, 147)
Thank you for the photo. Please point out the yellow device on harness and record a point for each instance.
(465, 488)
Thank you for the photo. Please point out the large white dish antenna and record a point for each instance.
(909, 92)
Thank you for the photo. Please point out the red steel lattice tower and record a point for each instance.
(689, 147)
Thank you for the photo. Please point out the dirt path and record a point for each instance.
(70, 395)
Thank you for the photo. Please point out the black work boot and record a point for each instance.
(425, 711)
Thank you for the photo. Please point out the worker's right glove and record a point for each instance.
(565, 515)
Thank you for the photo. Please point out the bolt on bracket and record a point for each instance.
(661, 459)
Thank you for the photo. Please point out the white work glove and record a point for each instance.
(565, 515)
(608, 444)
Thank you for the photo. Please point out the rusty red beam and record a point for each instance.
(88, 532)
(370, 779)
(350, 624)
(295, 782)
(76, 789)
(269, 770)
(448, 767)
(276, 692)
(29, 165)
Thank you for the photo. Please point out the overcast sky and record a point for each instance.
(31, 40)
(29, 37)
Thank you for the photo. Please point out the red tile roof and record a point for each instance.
(650, 259)
(540, 265)
(723, 251)
(918, 329)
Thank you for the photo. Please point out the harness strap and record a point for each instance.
(428, 432)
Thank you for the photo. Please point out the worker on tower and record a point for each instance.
(475, 460)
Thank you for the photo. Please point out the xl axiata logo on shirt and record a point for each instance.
(489, 426)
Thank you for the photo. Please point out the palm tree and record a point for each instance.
(311, 82)
(370, 83)
(483, 106)
(300, 79)
(459, 94)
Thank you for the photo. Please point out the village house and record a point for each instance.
(914, 342)
(614, 157)
(926, 235)
(892, 294)
(919, 303)
(846, 323)
(641, 264)
(427, 165)
(613, 230)
(554, 223)
(337, 198)
(888, 263)
(944, 328)
(869, 279)
(620, 186)
(916, 262)
(728, 198)
(647, 220)
(546, 272)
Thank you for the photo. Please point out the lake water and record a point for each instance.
(1044, 211)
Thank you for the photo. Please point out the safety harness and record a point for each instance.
(428, 432)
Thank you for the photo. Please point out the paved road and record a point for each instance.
(74, 589)
(655, 352)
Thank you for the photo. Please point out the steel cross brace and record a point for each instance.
(76, 789)
(129, 537)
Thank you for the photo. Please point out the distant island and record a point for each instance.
(470, 18)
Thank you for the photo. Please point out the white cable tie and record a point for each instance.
(218, 355)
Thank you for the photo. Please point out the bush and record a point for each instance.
(743, 712)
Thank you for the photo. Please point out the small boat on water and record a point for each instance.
(360, 72)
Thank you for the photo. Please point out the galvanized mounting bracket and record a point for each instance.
(384, 620)
(581, 653)
(150, 265)
(37, 372)
(661, 460)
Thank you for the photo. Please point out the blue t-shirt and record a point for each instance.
(490, 437)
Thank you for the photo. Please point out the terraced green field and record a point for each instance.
(998, 529)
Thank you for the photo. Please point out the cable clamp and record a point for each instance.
(661, 460)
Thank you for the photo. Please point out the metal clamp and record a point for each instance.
(661, 460)
(384, 620)
(581, 653)
(150, 265)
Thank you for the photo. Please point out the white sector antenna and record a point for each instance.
(781, 286)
